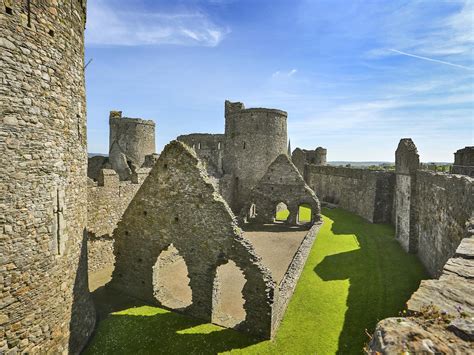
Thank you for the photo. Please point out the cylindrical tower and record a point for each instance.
(131, 140)
(45, 304)
(255, 137)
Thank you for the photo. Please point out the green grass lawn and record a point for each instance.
(304, 213)
(356, 274)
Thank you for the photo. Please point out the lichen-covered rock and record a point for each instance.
(415, 336)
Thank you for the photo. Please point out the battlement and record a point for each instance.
(116, 117)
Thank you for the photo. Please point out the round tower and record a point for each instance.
(131, 140)
(255, 137)
(45, 301)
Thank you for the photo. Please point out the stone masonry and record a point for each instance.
(131, 140)
(464, 162)
(253, 139)
(44, 300)
(281, 183)
(407, 162)
(178, 204)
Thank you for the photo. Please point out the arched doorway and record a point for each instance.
(227, 299)
(171, 281)
(305, 213)
(281, 212)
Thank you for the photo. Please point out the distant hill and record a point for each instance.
(90, 155)
(359, 164)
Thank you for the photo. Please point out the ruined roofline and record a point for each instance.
(258, 110)
(203, 135)
(115, 117)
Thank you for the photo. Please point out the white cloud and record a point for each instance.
(410, 30)
(107, 25)
(284, 74)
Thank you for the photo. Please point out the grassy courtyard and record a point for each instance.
(355, 275)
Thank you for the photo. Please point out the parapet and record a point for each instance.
(233, 108)
(115, 117)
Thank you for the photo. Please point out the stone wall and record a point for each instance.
(281, 183)
(288, 284)
(464, 162)
(107, 200)
(209, 148)
(444, 204)
(179, 205)
(407, 162)
(364, 192)
(301, 157)
(44, 300)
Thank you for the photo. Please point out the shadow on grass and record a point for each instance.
(129, 326)
(381, 275)
(163, 333)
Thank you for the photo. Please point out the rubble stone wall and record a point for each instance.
(209, 148)
(364, 192)
(178, 204)
(45, 306)
(106, 204)
(444, 204)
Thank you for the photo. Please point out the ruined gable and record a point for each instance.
(178, 205)
(281, 183)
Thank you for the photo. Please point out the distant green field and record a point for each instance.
(355, 275)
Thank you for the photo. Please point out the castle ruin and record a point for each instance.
(198, 205)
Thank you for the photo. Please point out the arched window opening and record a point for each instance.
(253, 211)
(282, 213)
(171, 281)
(227, 299)
(304, 214)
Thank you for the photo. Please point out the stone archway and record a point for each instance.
(227, 298)
(171, 280)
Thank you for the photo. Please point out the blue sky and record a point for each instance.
(354, 76)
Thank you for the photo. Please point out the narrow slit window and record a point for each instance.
(8, 10)
(28, 8)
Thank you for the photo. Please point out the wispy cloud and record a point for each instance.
(430, 59)
(108, 25)
(284, 74)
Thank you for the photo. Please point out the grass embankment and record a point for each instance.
(355, 275)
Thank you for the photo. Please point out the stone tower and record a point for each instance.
(255, 137)
(45, 304)
(131, 139)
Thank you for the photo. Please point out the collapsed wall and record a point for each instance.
(45, 306)
(364, 192)
(177, 205)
